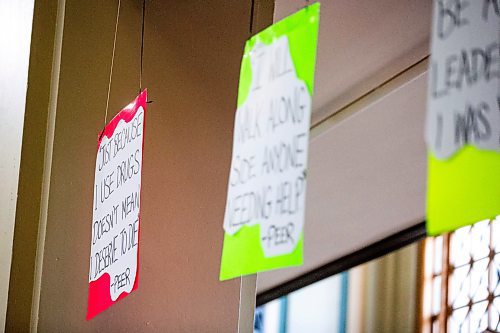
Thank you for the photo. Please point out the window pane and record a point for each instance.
(495, 275)
(270, 315)
(479, 280)
(480, 240)
(315, 308)
(495, 314)
(479, 317)
(460, 247)
(435, 326)
(496, 234)
(436, 295)
(459, 288)
(458, 322)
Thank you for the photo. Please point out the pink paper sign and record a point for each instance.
(114, 254)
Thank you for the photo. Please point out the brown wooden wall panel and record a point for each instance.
(192, 53)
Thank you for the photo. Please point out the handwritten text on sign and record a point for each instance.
(464, 82)
(267, 181)
(117, 189)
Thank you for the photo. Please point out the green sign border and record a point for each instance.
(242, 253)
(462, 190)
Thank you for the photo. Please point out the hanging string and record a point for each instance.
(142, 44)
(112, 62)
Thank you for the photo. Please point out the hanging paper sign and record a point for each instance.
(114, 250)
(463, 114)
(265, 205)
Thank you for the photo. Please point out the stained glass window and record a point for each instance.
(462, 280)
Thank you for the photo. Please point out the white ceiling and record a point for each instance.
(362, 43)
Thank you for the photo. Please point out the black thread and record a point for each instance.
(142, 44)
(111, 68)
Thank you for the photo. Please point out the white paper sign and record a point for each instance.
(267, 182)
(117, 189)
(464, 77)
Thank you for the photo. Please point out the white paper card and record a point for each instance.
(117, 191)
(464, 77)
(267, 182)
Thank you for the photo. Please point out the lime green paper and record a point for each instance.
(242, 253)
(462, 190)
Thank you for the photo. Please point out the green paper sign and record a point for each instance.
(463, 116)
(462, 190)
(265, 206)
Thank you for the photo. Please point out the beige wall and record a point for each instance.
(15, 23)
(191, 66)
(31, 168)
